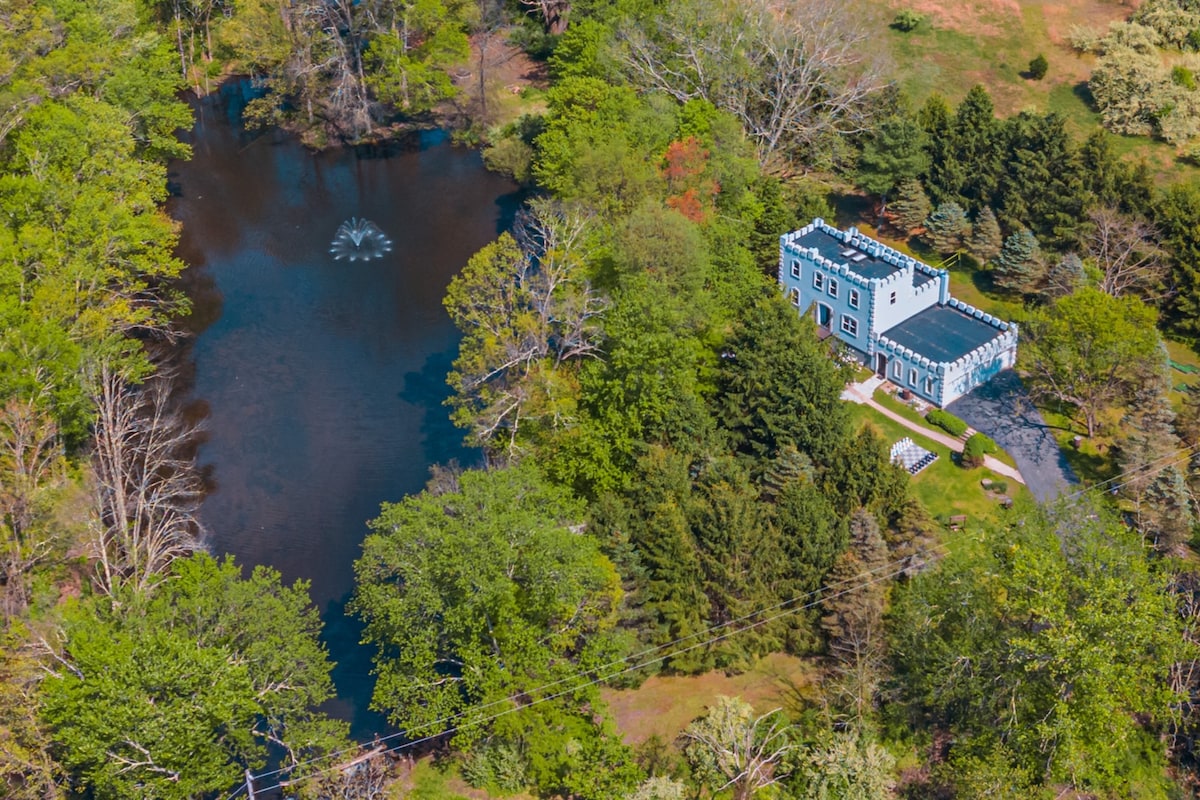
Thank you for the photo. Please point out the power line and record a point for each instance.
(609, 676)
(1154, 465)
(616, 662)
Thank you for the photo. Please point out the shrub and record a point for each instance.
(907, 20)
(1182, 76)
(1038, 67)
(974, 451)
(946, 421)
(1000, 487)
(985, 441)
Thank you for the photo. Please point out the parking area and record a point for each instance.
(1002, 409)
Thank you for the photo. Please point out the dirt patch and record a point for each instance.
(663, 706)
(1061, 17)
(974, 17)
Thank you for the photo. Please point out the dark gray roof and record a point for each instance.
(942, 333)
(832, 248)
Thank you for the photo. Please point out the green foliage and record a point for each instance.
(907, 21)
(848, 767)
(856, 593)
(483, 594)
(1036, 608)
(1065, 275)
(946, 421)
(985, 241)
(947, 227)
(778, 386)
(975, 448)
(911, 206)
(1092, 351)
(896, 152)
(170, 696)
(1019, 268)
(1038, 67)
(1177, 214)
(415, 79)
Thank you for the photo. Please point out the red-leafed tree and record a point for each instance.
(692, 189)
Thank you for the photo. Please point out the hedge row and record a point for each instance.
(946, 421)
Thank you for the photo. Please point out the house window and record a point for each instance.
(897, 370)
(854, 298)
(795, 269)
(893, 298)
(929, 386)
(849, 325)
(912, 378)
(794, 296)
(833, 287)
(818, 280)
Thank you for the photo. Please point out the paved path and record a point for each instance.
(1002, 409)
(855, 393)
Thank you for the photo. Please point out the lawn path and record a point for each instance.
(855, 393)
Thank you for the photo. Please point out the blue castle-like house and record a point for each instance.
(894, 313)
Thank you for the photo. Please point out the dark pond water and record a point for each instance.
(323, 380)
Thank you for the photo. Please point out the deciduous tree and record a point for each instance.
(1091, 351)
(731, 747)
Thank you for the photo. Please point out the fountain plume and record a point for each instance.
(359, 240)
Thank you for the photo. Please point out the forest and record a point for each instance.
(669, 483)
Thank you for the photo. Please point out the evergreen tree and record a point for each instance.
(1162, 508)
(856, 591)
(1019, 266)
(985, 240)
(978, 147)
(812, 535)
(778, 386)
(947, 228)
(897, 152)
(1042, 183)
(945, 176)
(788, 466)
(1065, 276)
(911, 205)
(1178, 217)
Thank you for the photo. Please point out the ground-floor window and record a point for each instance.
(794, 296)
(929, 386)
(849, 325)
(912, 377)
(897, 370)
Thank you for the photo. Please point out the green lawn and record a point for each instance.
(944, 488)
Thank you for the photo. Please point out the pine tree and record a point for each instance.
(947, 228)
(978, 146)
(945, 177)
(985, 240)
(789, 466)
(1162, 505)
(855, 589)
(1019, 266)
(1065, 276)
(911, 205)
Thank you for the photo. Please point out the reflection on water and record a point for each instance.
(323, 379)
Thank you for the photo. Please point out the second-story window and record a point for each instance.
(818, 280)
(833, 287)
(854, 298)
(795, 269)
(893, 298)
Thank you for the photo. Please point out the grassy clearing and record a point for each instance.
(908, 412)
(944, 488)
(991, 42)
(664, 705)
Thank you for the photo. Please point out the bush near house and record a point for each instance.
(977, 446)
(946, 421)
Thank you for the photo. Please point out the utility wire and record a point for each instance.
(1154, 465)
(616, 662)
(608, 676)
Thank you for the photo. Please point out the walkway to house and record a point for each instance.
(863, 394)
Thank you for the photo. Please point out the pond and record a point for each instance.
(322, 379)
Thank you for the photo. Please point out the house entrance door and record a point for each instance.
(881, 365)
(824, 315)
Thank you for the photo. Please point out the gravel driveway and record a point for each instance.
(1001, 409)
